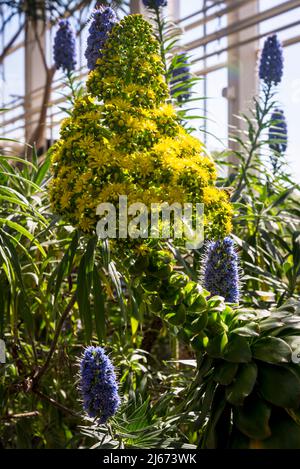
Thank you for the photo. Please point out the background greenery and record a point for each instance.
(192, 370)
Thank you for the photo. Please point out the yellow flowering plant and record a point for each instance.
(124, 138)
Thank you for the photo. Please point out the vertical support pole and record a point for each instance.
(174, 9)
(242, 67)
(136, 6)
(35, 75)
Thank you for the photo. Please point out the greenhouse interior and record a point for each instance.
(150, 226)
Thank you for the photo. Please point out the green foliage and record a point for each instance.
(139, 425)
(245, 370)
(266, 224)
(169, 36)
(193, 371)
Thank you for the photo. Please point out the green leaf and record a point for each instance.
(216, 345)
(83, 299)
(18, 160)
(295, 414)
(217, 411)
(10, 257)
(238, 350)
(279, 385)
(272, 350)
(200, 341)
(225, 372)
(115, 277)
(294, 342)
(242, 385)
(204, 367)
(3, 307)
(198, 324)
(22, 179)
(65, 266)
(25, 312)
(205, 405)
(42, 171)
(23, 231)
(84, 284)
(155, 304)
(271, 324)
(281, 198)
(250, 330)
(13, 264)
(285, 433)
(134, 325)
(252, 419)
(177, 315)
(198, 304)
(99, 306)
(191, 294)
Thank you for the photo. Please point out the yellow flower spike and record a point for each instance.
(124, 138)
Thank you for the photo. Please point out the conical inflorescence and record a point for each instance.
(64, 50)
(221, 270)
(103, 20)
(278, 132)
(123, 138)
(98, 384)
(271, 61)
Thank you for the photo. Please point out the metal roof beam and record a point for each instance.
(244, 24)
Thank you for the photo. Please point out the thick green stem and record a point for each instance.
(255, 141)
(71, 85)
(59, 326)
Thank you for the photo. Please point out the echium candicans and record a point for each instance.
(180, 76)
(102, 23)
(278, 136)
(64, 50)
(221, 272)
(271, 62)
(155, 3)
(98, 384)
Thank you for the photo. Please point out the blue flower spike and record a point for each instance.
(98, 385)
(64, 50)
(271, 62)
(103, 20)
(221, 271)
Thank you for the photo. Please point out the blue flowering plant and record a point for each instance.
(155, 4)
(264, 191)
(64, 50)
(98, 385)
(177, 63)
(64, 56)
(278, 138)
(221, 271)
(102, 22)
(271, 62)
(141, 424)
(180, 78)
(260, 121)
